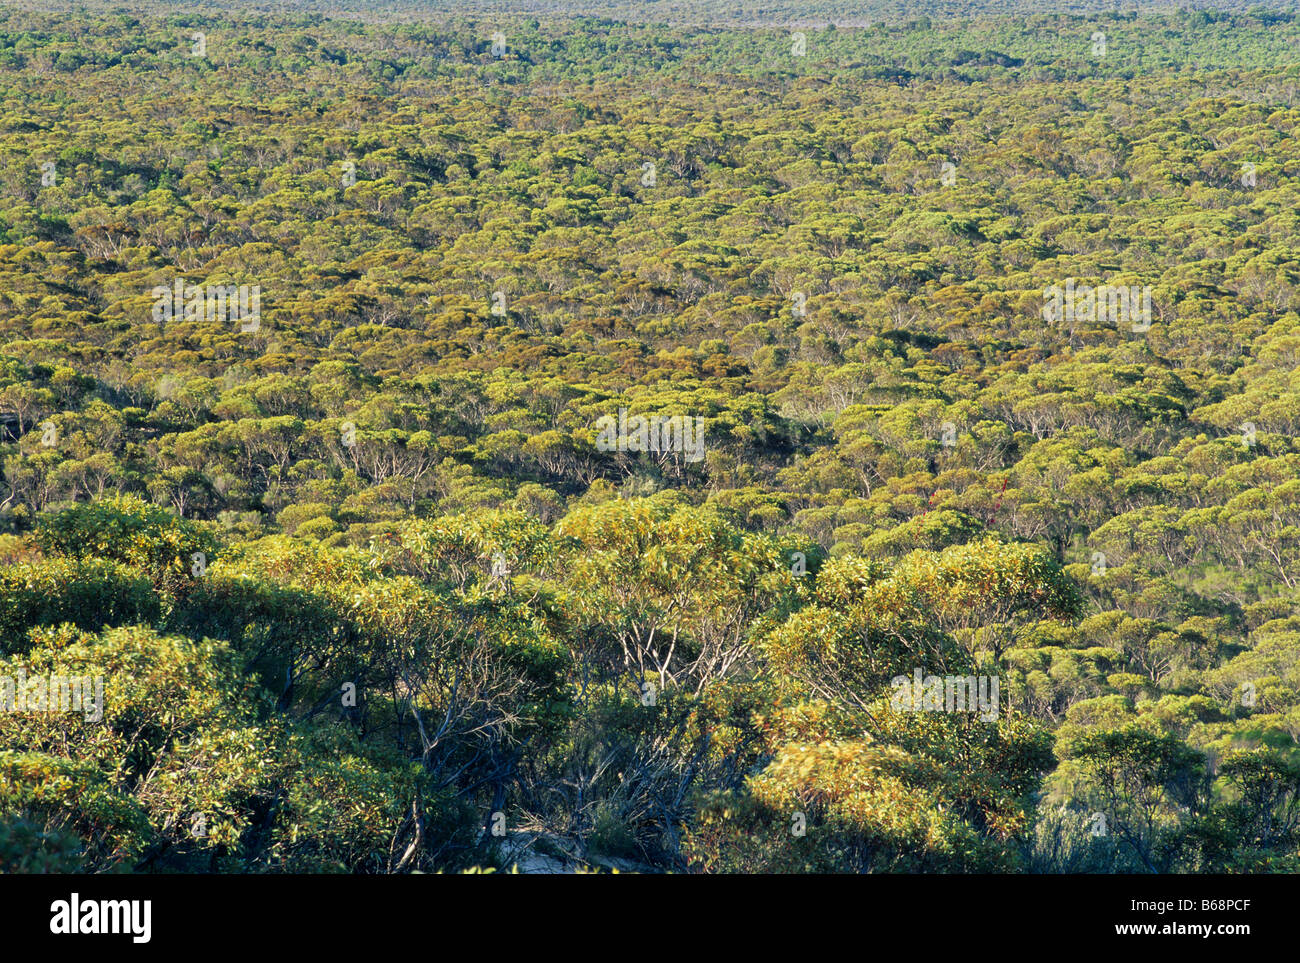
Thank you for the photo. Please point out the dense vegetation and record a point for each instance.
(369, 594)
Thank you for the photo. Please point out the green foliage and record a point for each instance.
(129, 530)
(89, 593)
(366, 575)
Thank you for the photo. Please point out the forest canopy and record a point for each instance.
(835, 439)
